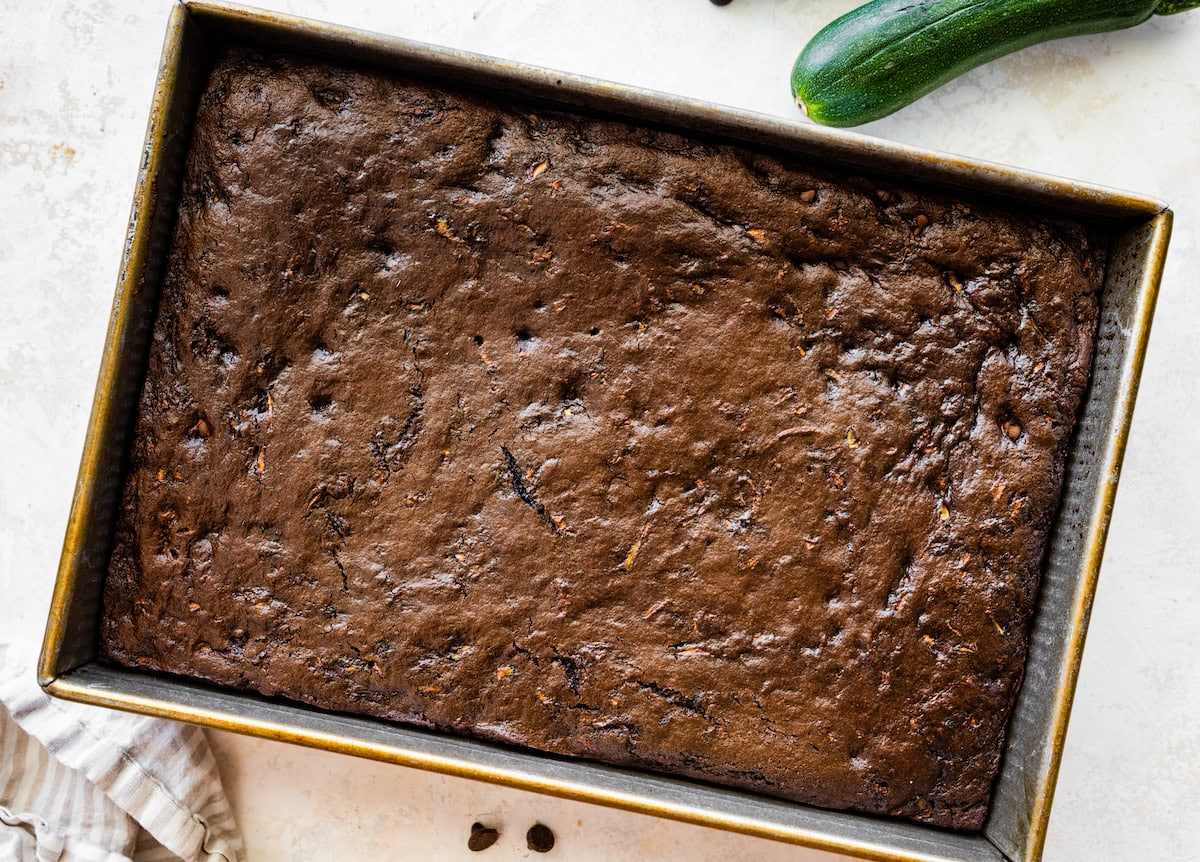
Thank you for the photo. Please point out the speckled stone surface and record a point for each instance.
(75, 81)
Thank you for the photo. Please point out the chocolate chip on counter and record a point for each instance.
(483, 837)
(720, 2)
(539, 838)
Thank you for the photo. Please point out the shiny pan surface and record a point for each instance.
(1020, 811)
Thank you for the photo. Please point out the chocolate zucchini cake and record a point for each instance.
(600, 440)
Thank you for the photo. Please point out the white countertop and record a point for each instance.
(1120, 109)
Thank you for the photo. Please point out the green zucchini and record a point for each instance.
(888, 53)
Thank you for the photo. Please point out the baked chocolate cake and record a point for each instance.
(600, 440)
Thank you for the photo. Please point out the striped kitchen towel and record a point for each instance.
(85, 784)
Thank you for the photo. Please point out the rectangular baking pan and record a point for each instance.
(1020, 811)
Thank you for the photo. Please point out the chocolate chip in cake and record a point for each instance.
(539, 838)
(482, 837)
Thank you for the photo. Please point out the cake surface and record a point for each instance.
(600, 440)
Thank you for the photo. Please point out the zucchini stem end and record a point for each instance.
(1171, 7)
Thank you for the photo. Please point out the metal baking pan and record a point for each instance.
(1020, 810)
